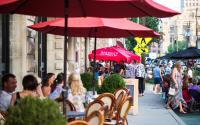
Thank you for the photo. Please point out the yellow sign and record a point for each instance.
(143, 42)
(139, 50)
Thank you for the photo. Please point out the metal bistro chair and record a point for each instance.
(69, 107)
(122, 112)
(78, 122)
(93, 106)
(118, 91)
(104, 110)
(121, 97)
(96, 118)
(108, 99)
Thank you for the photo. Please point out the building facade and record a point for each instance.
(184, 27)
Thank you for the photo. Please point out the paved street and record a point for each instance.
(152, 111)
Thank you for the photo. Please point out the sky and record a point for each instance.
(173, 4)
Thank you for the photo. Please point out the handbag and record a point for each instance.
(172, 91)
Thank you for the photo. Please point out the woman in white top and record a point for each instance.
(190, 72)
(77, 92)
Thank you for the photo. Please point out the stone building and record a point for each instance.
(184, 26)
(24, 51)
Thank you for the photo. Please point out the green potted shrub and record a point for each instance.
(87, 80)
(34, 111)
(111, 83)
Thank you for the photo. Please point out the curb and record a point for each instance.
(176, 117)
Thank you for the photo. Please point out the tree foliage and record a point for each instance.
(130, 43)
(150, 22)
(177, 46)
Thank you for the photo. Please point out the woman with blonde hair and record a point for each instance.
(77, 92)
(177, 100)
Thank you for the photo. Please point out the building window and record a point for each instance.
(76, 56)
(171, 39)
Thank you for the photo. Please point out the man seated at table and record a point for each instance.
(194, 91)
(9, 84)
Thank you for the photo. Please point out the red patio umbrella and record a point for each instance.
(114, 53)
(95, 27)
(82, 8)
(109, 54)
(133, 56)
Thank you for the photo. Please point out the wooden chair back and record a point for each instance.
(123, 110)
(69, 105)
(96, 118)
(93, 106)
(108, 99)
(118, 91)
(120, 99)
(104, 110)
(78, 122)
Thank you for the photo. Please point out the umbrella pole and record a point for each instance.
(94, 70)
(65, 93)
(110, 66)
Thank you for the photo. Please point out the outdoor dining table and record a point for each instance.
(74, 114)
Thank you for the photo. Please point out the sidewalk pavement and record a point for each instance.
(152, 111)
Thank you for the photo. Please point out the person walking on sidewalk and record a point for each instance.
(177, 100)
(157, 79)
(140, 74)
(168, 70)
